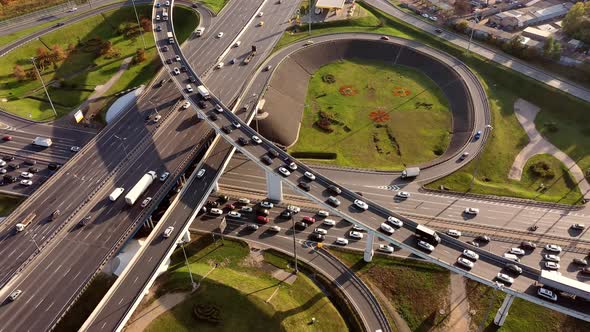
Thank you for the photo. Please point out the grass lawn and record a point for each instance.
(214, 5)
(5, 39)
(417, 290)
(8, 204)
(240, 288)
(523, 315)
(503, 87)
(83, 69)
(374, 114)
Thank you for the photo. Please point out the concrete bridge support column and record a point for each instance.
(149, 223)
(186, 237)
(216, 186)
(503, 310)
(368, 256)
(274, 187)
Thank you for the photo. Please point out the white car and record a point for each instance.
(216, 211)
(26, 175)
(284, 171)
(157, 17)
(425, 245)
(219, 35)
(395, 222)
(320, 231)
(465, 262)
(292, 166)
(146, 202)
(201, 173)
(309, 175)
(505, 278)
(164, 176)
(3, 171)
(293, 209)
(218, 108)
(219, 65)
(471, 211)
(553, 247)
(186, 105)
(2, 163)
(14, 295)
(425, 15)
(167, 3)
(309, 42)
(516, 251)
(323, 213)
(385, 248)
(26, 182)
(433, 18)
(246, 209)
(176, 71)
(545, 293)
(75, 148)
(454, 233)
(329, 222)
(177, 58)
(168, 232)
(73, 9)
(266, 205)
(361, 205)
(260, 14)
(243, 200)
(189, 88)
(157, 118)
(355, 235)
(341, 241)
(403, 194)
(252, 227)
(552, 258)
(234, 214)
(357, 228)
(386, 229)
(578, 227)
(274, 228)
(551, 266)
(256, 139)
(470, 254)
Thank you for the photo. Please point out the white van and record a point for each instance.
(512, 257)
(116, 193)
(200, 31)
(216, 212)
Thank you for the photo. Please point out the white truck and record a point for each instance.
(203, 92)
(410, 172)
(23, 224)
(170, 37)
(42, 141)
(140, 187)
(199, 32)
(165, 14)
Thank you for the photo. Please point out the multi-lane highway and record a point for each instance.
(373, 215)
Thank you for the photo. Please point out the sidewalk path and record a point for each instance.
(526, 113)
(160, 306)
(460, 318)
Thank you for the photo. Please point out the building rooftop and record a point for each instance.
(330, 4)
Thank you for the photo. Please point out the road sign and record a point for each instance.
(222, 225)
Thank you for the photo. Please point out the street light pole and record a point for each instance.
(294, 245)
(44, 87)
(188, 266)
(139, 25)
(35, 242)
(472, 31)
(122, 139)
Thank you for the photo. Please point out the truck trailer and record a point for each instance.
(23, 224)
(410, 172)
(427, 235)
(202, 90)
(140, 187)
(42, 141)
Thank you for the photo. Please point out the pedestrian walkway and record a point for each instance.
(526, 114)
(459, 318)
(162, 304)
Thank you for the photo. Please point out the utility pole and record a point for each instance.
(472, 31)
(44, 87)
(294, 245)
(139, 25)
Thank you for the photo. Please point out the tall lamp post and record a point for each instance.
(139, 25)
(472, 31)
(294, 245)
(44, 87)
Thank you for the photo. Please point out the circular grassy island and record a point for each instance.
(370, 114)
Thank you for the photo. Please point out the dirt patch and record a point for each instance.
(348, 90)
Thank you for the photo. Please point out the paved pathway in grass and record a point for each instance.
(141, 321)
(526, 113)
(459, 317)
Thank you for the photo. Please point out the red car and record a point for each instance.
(309, 220)
(263, 219)
(7, 138)
(231, 206)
